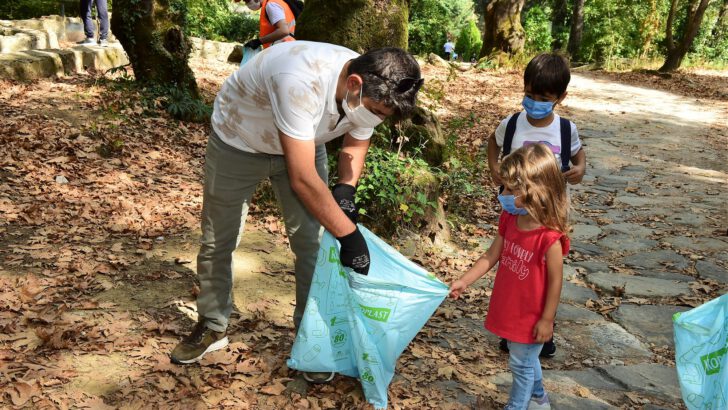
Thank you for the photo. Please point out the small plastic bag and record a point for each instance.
(358, 325)
(701, 355)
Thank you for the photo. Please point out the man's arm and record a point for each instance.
(351, 159)
(300, 158)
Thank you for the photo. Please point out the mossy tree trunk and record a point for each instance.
(152, 34)
(356, 24)
(503, 29)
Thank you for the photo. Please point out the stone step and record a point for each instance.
(34, 64)
(65, 28)
(18, 39)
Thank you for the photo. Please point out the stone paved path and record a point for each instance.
(650, 221)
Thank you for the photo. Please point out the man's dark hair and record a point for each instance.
(391, 77)
(547, 73)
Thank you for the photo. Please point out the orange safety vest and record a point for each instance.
(266, 27)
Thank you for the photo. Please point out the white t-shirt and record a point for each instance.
(528, 134)
(274, 12)
(289, 87)
(449, 47)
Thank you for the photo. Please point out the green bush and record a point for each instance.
(214, 20)
(537, 27)
(391, 190)
(469, 41)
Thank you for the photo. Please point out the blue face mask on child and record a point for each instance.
(508, 202)
(537, 109)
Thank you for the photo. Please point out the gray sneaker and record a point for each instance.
(201, 341)
(539, 403)
(87, 42)
(103, 42)
(318, 377)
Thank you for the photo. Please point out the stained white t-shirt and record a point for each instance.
(289, 87)
(528, 134)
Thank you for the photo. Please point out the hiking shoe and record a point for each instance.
(539, 403)
(103, 42)
(548, 349)
(87, 42)
(318, 377)
(202, 340)
(503, 345)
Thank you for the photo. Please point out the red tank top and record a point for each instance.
(519, 292)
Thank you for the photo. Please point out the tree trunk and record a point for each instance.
(356, 24)
(577, 28)
(676, 50)
(503, 30)
(719, 30)
(559, 23)
(152, 34)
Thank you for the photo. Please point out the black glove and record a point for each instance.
(254, 43)
(354, 252)
(344, 196)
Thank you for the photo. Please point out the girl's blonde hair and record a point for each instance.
(532, 169)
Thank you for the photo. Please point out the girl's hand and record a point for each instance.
(457, 288)
(543, 331)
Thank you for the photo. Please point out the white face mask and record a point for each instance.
(360, 116)
(253, 5)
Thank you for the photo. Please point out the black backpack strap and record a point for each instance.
(510, 132)
(565, 143)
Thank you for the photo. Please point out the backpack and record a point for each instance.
(296, 7)
(565, 126)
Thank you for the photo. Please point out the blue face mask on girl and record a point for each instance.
(508, 202)
(537, 109)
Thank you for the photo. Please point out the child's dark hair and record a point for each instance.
(547, 73)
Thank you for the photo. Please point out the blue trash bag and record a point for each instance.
(248, 54)
(358, 325)
(701, 344)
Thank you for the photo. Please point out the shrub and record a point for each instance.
(469, 41)
(214, 20)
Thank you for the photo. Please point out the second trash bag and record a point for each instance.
(358, 325)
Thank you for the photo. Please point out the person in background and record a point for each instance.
(88, 22)
(277, 22)
(449, 50)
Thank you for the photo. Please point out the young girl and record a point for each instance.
(530, 246)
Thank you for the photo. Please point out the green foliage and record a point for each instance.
(182, 106)
(537, 27)
(469, 41)
(711, 44)
(214, 20)
(430, 22)
(391, 190)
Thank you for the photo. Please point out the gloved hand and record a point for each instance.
(344, 196)
(354, 252)
(254, 43)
